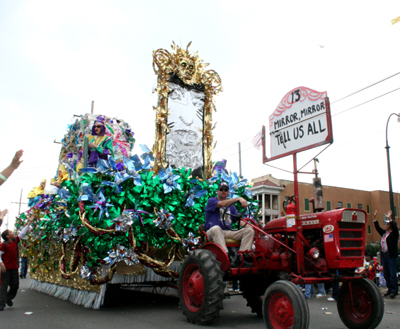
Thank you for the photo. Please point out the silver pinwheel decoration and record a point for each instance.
(131, 258)
(121, 253)
(124, 221)
(88, 273)
(190, 240)
(163, 220)
(69, 233)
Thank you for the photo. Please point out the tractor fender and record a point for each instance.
(217, 250)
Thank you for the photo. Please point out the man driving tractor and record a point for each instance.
(218, 229)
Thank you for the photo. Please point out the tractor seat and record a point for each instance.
(229, 241)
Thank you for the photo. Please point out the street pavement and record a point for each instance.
(144, 311)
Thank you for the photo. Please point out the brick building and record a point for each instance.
(271, 193)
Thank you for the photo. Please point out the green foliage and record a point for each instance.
(372, 248)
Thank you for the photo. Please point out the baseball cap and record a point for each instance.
(223, 184)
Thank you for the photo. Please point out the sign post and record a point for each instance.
(301, 121)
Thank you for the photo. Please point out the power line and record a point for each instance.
(29, 168)
(366, 87)
(366, 102)
(245, 140)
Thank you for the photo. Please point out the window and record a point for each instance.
(340, 204)
(328, 205)
(368, 211)
(267, 200)
(359, 206)
(369, 230)
(275, 202)
(306, 204)
(349, 205)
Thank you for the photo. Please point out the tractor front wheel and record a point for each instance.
(284, 306)
(367, 308)
(201, 287)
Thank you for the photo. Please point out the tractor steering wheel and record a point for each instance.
(238, 216)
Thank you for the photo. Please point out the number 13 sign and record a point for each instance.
(301, 121)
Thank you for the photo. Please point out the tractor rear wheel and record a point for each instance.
(284, 306)
(201, 287)
(367, 309)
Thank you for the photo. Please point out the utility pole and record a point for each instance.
(92, 107)
(20, 202)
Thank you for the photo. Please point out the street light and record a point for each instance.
(388, 164)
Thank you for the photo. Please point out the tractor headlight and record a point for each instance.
(314, 253)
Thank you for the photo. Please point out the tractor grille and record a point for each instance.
(351, 238)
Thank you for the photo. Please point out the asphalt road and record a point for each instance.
(144, 311)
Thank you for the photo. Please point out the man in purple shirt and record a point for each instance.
(218, 232)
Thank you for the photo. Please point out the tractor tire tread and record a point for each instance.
(213, 290)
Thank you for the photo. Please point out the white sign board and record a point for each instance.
(300, 122)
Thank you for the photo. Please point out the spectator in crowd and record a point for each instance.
(7, 172)
(335, 292)
(3, 213)
(9, 263)
(24, 265)
(370, 265)
(310, 290)
(389, 241)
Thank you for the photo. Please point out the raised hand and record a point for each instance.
(16, 160)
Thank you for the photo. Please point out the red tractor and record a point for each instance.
(321, 247)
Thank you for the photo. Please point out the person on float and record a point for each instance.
(100, 145)
(62, 176)
(389, 241)
(34, 195)
(9, 264)
(218, 232)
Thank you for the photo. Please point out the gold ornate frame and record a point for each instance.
(191, 70)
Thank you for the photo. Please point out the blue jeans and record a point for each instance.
(24, 266)
(311, 291)
(389, 272)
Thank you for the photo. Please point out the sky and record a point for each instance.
(58, 57)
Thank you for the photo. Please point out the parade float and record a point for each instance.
(129, 218)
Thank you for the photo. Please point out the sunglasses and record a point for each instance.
(224, 189)
(97, 126)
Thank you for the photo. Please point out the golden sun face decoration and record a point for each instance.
(185, 103)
